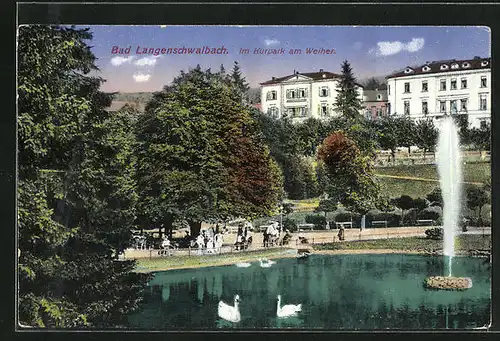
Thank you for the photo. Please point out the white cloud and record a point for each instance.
(388, 48)
(141, 78)
(415, 44)
(146, 61)
(118, 60)
(270, 42)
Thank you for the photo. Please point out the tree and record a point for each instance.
(435, 198)
(350, 174)
(481, 138)
(76, 196)
(347, 102)
(201, 157)
(477, 197)
(406, 132)
(239, 82)
(405, 203)
(388, 136)
(374, 84)
(426, 135)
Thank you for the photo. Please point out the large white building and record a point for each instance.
(302, 95)
(443, 87)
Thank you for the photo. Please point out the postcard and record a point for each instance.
(196, 178)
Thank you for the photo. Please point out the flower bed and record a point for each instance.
(448, 283)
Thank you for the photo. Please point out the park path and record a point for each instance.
(314, 237)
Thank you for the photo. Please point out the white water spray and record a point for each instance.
(450, 178)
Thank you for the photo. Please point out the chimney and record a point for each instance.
(477, 57)
(274, 78)
(320, 70)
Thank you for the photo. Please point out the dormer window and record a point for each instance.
(379, 97)
(465, 65)
(444, 67)
(454, 66)
(426, 68)
(484, 63)
(408, 70)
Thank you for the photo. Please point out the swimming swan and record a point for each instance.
(264, 265)
(288, 310)
(270, 261)
(230, 313)
(243, 265)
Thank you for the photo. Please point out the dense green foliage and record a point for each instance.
(76, 193)
(201, 156)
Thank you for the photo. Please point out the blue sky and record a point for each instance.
(372, 51)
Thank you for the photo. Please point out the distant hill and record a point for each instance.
(141, 97)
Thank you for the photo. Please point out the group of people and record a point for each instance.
(244, 236)
(208, 241)
(272, 234)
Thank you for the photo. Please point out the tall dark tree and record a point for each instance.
(239, 82)
(347, 102)
(76, 194)
(374, 84)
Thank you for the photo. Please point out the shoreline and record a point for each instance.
(283, 255)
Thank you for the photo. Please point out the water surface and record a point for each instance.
(337, 292)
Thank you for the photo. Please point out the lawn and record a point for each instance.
(472, 172)
(184, 261)
(463, 243)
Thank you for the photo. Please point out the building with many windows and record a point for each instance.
(443, 87)
(302, 95)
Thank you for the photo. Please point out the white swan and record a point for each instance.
(288, 310)
(230, 313)
(243, 265)
(264, 265)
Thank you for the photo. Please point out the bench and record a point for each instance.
(303, 227)
(343, 224)
(379, 223)
(425, 222)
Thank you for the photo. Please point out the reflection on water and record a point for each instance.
(336, 292)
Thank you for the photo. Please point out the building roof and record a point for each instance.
(372, 95)
(444, 66)
(313, 75)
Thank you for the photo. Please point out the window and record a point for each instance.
(324, 109)
(453, 84)
(465, 65)
(273, 112)
(408, 70)
(388, 89)
(379, 112)
(482, 102)
(407, 108)
(271, 95)
(425, 108)
(379, 97)
(388, 108)
(483, 82)
(453, 106)
(444, 67)
(454, 66)
(442, 85)
(463, 104)
(407, 87)
(324, 91)
(291, 93)
(302, 93)
(426, 68)
(484, 63)
(442, 106)
(425, 87)
(483, 124)
(464, 83)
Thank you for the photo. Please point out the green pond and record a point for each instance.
(337, 292)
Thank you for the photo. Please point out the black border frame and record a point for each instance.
(191, 13)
